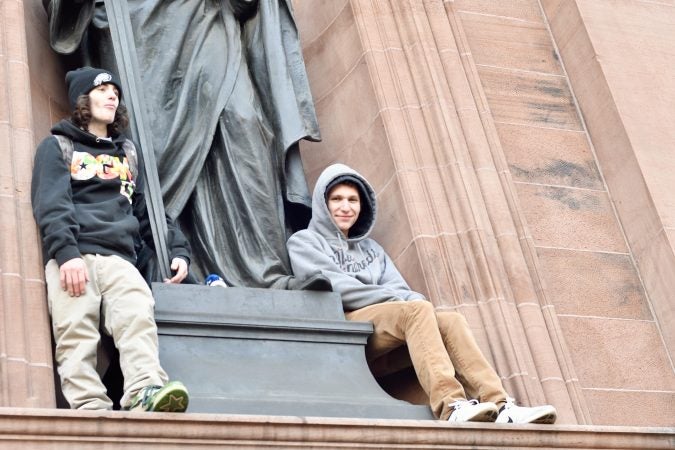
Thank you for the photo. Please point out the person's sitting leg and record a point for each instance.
(480, 379)
(414, 323)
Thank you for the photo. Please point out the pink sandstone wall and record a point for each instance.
(586, 263)
(589, 271)
(501, 209)
(620, 60)
(49, 102)
(26, 377)
(574, 262)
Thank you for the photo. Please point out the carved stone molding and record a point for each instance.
(58, 429)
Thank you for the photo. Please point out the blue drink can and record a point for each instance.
(215, 280)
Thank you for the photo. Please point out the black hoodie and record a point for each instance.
(95, 206)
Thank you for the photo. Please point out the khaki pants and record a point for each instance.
(117, 295)
(442, 349)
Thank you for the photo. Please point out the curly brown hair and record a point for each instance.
(82, 116)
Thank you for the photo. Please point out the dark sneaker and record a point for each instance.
(472, 411)
(172, 397)
(511, 413)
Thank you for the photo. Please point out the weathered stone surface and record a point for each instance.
(619, 58)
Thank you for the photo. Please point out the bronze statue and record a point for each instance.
(227, 101)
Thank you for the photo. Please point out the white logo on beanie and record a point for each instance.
(102, 78)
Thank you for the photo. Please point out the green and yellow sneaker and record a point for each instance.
(172, 397)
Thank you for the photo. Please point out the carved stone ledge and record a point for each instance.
(40, 429)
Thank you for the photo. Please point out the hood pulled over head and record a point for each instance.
(323, 223)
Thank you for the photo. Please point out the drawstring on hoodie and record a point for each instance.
(344, 246)
(358, 245)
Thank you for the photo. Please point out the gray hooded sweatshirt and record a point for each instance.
(358, 267)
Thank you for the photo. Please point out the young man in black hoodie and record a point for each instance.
(442, 348)
(89, 206)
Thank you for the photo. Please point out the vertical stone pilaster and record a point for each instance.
(26, 374)
(536, 314)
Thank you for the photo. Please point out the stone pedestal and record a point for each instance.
(270, 352)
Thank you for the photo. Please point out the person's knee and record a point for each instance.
(451, 319)
(419, 308)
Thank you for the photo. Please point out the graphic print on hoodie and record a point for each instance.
(357, 266)
(85, 166)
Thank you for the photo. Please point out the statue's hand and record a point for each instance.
(244, 9)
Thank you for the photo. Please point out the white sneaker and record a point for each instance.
(511, 413)
(472, 411)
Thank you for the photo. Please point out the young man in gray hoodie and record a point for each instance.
(441, 345)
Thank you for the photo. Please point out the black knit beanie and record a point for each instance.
(84, 79)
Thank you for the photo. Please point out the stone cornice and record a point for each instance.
(64, 429)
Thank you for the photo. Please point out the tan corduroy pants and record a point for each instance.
(442, 349)
(117, 298)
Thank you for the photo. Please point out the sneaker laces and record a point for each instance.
(147, 393)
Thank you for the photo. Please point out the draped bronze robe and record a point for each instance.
(227, 102)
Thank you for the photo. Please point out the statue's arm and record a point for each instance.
(68, 21)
